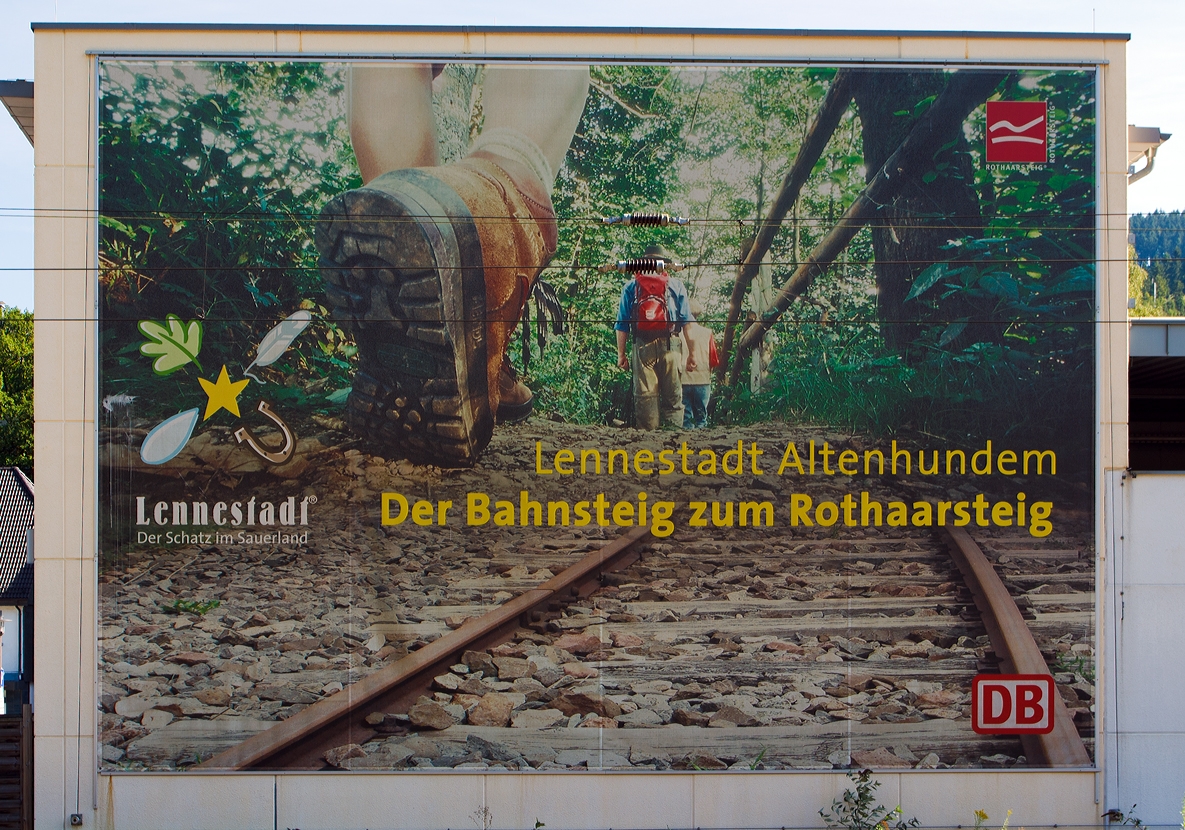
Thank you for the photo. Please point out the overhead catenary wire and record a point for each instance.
(862, 321)
(593, 220)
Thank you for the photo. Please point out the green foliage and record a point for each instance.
(1156, 279)
(211, 177)
(188, 606)
(710, 144)
(756, 762)
(1159, 243)
(838, 375)
(858, 808)
(174, 344)
(16, 388)
(1034, 261)
(1078, 664)
(1029, 275)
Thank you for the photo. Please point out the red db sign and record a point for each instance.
(1012, 704)
(1017, 132)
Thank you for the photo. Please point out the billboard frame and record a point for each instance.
(1107, 457)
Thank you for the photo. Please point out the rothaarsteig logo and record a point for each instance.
(175, 344)
(1017, 132)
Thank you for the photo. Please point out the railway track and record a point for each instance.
(366, 646)
(768, 650)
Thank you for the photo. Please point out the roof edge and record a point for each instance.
(599, 30)
(16, 88)
(24, 480)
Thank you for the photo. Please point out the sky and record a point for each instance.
(1156, 73)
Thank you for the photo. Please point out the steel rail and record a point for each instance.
(1017, 650)
(300, 742)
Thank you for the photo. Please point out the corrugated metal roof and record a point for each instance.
(16, 518)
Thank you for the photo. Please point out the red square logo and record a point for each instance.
(1017, 131)
(1012, 704)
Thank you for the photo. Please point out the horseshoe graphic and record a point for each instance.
(278, 456)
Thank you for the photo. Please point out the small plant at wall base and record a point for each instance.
(1119, 818)
(858, 808)
(483, 817)
(981, 818)
(1077, 664)
(190, 606)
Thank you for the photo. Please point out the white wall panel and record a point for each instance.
(190, 802)
(1144, 722)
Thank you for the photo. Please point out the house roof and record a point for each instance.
(16, 519)
(17, 97)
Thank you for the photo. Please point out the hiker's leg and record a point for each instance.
(695, 405)
(646, 389)
(391, 120)
(670, 383)
(542, 105)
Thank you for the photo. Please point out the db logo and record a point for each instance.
(1017, 132)
(1012, 704)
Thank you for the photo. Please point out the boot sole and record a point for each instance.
(402, 266)
(515, 413)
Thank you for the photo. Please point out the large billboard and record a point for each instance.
(624, 416)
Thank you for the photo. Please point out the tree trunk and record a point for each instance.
(909, 233)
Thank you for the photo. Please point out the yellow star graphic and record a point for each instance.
(223, 394)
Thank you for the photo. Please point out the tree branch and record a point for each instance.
(834, 105)
(964, 93)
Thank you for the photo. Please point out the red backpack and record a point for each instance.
(650, 304)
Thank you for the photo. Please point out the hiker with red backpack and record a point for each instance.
(654, 310)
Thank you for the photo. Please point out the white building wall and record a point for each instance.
(66, 781)
(1145, 682)
(10, 643)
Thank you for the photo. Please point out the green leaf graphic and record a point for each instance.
(173, 343)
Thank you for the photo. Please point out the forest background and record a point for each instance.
(966, 312)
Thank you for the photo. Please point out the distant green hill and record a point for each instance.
(1159, 240)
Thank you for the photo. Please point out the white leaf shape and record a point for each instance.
(277, 341)
(169, 437)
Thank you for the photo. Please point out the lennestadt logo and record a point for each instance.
(1017, 132)
(222, 522)
(249, 513)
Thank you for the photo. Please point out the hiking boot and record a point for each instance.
(428, 269)
(515, 399)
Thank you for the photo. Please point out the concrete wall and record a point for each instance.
(66, 778)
